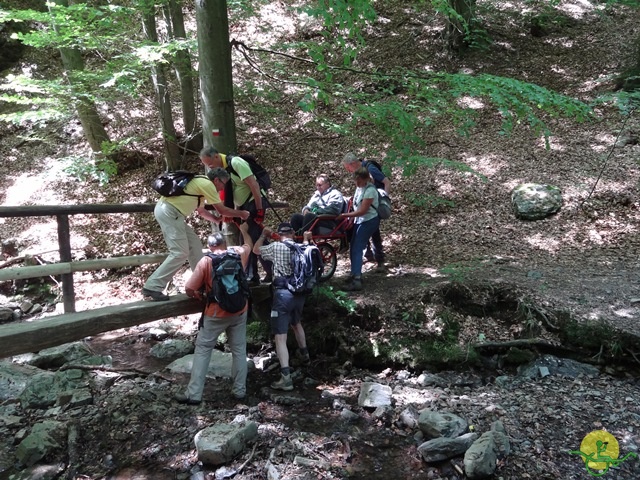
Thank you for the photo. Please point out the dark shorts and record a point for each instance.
(286, 310)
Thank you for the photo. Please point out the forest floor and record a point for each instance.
(581, 262)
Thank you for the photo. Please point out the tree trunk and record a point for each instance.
(94, 131)
(216, 80)
(184, 73)
(171, 150)
(458, 28)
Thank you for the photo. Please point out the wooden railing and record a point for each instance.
(66, 267)
(23, 337)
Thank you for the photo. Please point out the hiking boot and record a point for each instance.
(354, 286)
(155, 296)
(239, 396)
(381, 268)
(285, 383)
(185, 400)
(303, 358)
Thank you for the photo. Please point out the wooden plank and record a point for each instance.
(24, 337)
(46, 210)
(17, 273)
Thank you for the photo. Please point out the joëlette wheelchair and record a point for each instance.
(330, 241)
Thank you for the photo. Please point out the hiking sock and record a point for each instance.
(304, 351)
(285, 371)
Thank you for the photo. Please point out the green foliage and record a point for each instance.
(117, 58)
(343, 23)
(403, 106)
(258, 332)
(474, 36)
(460, 272)
(429, 202)
(600, 339)
(337, 297)
(98, 169)
(421, 347)
(518, 356)
(413, 317)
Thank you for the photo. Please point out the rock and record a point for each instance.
(55, 357)
(158, 334)
(40, 472)
(37, 308)
(172, 348)
(532, 201)
(429, 379)
(219, 365)
(43, 389)
(221, 443)
(550, 365)
(374, 395)
(443, 448)
(480, 459)
(45, 437)
(436, 424)
(14, 378)
(348, 415)
(6, 314)
(25, 306)
(409, 417)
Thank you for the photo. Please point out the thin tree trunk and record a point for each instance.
(459, 27)
(171, 150)
(94, 131)
(182, 65)
(216, 82)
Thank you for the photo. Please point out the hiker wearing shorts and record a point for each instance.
(286, 308)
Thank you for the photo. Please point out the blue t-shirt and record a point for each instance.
(376, 174)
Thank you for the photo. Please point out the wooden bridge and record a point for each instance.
(32, 336)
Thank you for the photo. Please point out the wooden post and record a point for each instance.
(64, 242)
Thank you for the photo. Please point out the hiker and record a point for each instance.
(351, 162)
(215, 321)
(326, 200)
(181, 240)
(366, 222)
(286, 309)
(246, 195)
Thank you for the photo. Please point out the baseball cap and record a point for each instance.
(285, 228)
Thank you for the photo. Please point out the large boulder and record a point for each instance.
(444, 448)
(533, 201)
(435, 424)
(374, 395)
(220, 443)
(45, 437)
(480, 460)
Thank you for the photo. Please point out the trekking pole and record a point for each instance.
(270, 206)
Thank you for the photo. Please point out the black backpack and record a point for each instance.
(172, 184)
(262, 176)
(307, 266)
(229, 287)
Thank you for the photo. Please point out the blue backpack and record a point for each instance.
(230, 288)
(307, 266)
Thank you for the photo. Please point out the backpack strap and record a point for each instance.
(232, 171)
(372, 185)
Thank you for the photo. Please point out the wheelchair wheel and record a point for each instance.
(330, 259)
